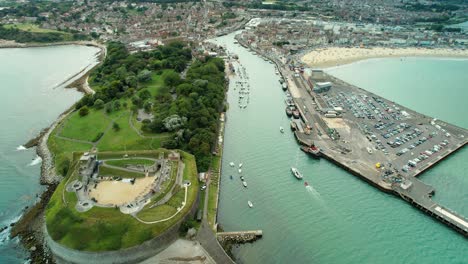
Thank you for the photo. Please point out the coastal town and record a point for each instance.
(140, 169)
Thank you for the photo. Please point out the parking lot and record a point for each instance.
(409, 141)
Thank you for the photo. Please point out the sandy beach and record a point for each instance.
(335, 56)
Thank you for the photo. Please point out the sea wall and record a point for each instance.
(64, 255)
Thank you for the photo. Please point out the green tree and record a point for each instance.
(84, 111)
(116, 126)
(116, 105)
(144, 76)
(147, 106)
(99, 104)
(171, 78)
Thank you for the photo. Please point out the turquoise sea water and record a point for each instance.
(30, 100)
(341, 219)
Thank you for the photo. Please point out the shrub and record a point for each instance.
(84, 111)
(98, 136)
(116, 126)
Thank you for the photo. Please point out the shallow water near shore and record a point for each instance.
(31, 100)
(340, 218)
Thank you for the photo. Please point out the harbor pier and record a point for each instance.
(384, 143)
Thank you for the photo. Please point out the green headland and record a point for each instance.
(130, 153)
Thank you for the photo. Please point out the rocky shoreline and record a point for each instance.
(29, 227)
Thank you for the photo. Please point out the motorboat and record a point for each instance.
(242, 178)
(240, 170)
(306, 184)
(240, 165)
(281, 129)
(289, 111)
(293, 126)
(313, 151)
(296, 173)
(244, 183)
(231, 164)
(250, 204)
(296, 114)
(230, 177)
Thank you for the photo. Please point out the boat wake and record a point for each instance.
(20, 147)
(312, 191)
(35, 161)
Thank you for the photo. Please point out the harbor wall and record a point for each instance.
(134, 254)
(355, 173)
(440, 159)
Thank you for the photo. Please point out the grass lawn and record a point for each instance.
(212, 198)
(213, 190)
(106, 171)
(127, 138)
(63, 150)
(155, 83)
(85, 127)
(154, 154)
(103, 229)
(161, 212)
(33, 28)
(124, 162)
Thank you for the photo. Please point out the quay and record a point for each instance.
(377, 140)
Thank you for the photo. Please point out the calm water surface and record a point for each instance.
(31, 100)
(341, 219)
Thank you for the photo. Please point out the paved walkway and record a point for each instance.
(207, 239)
(182, 251)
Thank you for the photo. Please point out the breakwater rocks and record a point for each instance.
(48, 174)
(29, 230)
(239, 237)
(34, 141)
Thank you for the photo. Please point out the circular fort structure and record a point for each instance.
(87, 224)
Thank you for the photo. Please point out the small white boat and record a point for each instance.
(281, 129)
(240, 165)
(231, 164)
(296, 173)
(369, 150)
(244, 183)
(240, 171)
(250, 204)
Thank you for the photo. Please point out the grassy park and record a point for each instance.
(185, 113)
(213, 190)
(107, 171)
(124, 162)
(87, 127)
(79, 133)
(32, 28)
